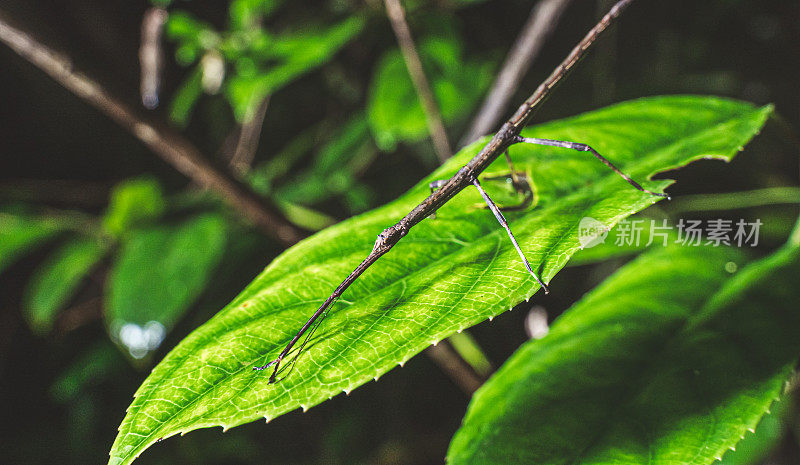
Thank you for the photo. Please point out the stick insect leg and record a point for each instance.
(499, 215)
(585, 148)
(519, 181)
(514, 178)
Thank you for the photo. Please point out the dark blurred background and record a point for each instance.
(65, 390)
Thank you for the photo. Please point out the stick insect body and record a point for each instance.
(506, 136)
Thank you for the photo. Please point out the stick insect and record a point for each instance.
(443, 191)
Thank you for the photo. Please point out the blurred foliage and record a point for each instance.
(246, 60)
(157, 275)
(55, 282)
(135, 202)
(343, 133)
(21, 233)
(395, 112)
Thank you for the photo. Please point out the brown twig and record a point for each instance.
(467, 175)
(151, 56)
(166, 143)
(247, 142)
(540, 24)
(433, 117)
(454, 367)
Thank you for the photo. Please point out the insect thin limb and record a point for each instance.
(514, 179)
(585, 148)
(519, 181)
(500, 218)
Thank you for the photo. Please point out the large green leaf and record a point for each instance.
(157, 275)
(671, 360)
(447, 274)
(56, 280)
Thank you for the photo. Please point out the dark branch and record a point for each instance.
(542, 21)
(506, 136)
(432, 114)
(166, 143)
(247, 141)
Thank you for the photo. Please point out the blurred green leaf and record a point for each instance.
(133, 203)
(186, 97)
(289, 57)
(158, 273)
(193, 35)
(334, 168)
(57, 279)
(394, 110)
(20, 233)
(670, 360)
(266, 175)
(245, 14)
(446, 274)
(306, 218)
(96, 363)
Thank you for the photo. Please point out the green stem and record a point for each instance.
(794, 238)
(736, 200)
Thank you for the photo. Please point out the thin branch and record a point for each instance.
(542, 21)
(247, 142)
(505, 137)
(433, 117)
(150, 56)
(455, 367)
(168, 144)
